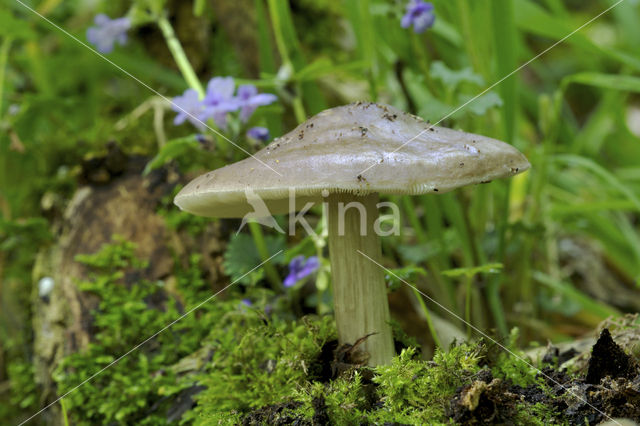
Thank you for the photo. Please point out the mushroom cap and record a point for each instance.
(359, 148)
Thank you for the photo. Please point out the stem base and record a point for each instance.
(359, 291)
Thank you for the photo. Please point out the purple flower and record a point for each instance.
(249, 99)
(420, 15)
(219, 100)
(246, 302)
(259, 133)
(107, 32)
(299, 268)
(189, 107)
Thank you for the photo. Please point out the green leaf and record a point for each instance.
(489, 268)
(418, 253)
(452, 78)
(103, 359)
(137, 62)
(324, 66)
(242, 256)
(11, 26)
(172, 150)
(434, 110)
(399, 275)
(480, 105)
(14, 234)
(448, 33)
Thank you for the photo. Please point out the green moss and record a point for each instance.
(275, 370)
(347, 399)
(414, 391)
(537, 414)
(250, 364)
(259, 362)
(177, 219)
(513, 365)
(138, 387)
(24, 392)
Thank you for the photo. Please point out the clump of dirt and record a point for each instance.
(610, 389)
(321, 370)
(483, 401)
(335, 360)
(608, 359)
(320, 414)
(493, 400)
(348, 357)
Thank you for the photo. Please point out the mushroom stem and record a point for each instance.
(359, 291)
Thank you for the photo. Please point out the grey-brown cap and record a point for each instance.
(335, 151)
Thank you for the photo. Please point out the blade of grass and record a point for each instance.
(557, 7)
(5, 47)
(265, 49)
(505, 37)
(601, 172)
(359, 15)
(473, 25)
(444, 285)
(628, 173)
(626, 15)
(532, 18)
(602, 310)
(600, 124)
(625, 83)
(309, 99)
(266, 59)
(619, 247)
(453, 212)
(63, 408)
(588, 177)
(4, 172)
(579, 207)
(263, 251)
(427, 315)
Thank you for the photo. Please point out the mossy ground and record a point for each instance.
(231, 363)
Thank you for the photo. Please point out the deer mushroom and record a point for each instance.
(346, 157)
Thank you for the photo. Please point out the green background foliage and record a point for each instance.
(573, 112)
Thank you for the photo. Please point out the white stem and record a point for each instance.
(359, 290)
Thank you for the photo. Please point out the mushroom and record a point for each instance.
(345, 157)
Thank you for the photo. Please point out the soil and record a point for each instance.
(281, 414)
(277, 414)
